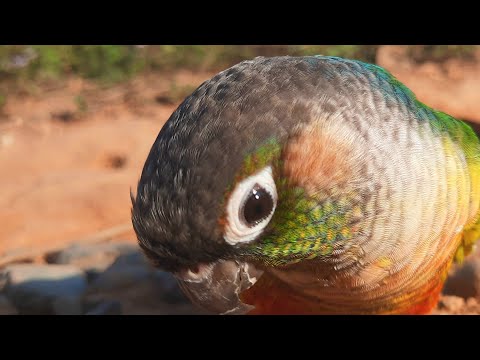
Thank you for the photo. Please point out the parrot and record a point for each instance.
(309, 185)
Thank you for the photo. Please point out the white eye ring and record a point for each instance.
(237, 231)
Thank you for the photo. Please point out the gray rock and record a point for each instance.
(67, 305)
(464, 279)
(36, 289)
(451, 303)
(127, 270)
(133, 258)
(6, 308)
(168, 288)
(3, 281)
(93, 258)
(139, 288)
(132, 269)
(107, 307)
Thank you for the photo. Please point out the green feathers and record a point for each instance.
(266, 154)
(302, 228)
(469, 238)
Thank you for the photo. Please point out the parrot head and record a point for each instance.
(239, 182)
(268, 170)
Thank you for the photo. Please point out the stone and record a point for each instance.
(36, 289)
(68, 305)
(119, 278)
(93, 258)
(140, 288)
(169, 288)
(132, 258)
(452, 304)
(132, 269)
(464, 279)
(472, 302)
(3, 280)
(6, 308)
(106, 307)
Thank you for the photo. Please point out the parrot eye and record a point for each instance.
(250, 207)
(257, 206)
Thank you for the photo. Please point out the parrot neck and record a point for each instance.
(272, 296)
(428, 304)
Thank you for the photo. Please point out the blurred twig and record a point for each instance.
(97, 237)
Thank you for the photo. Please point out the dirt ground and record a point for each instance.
(452, 86)
(66, 173)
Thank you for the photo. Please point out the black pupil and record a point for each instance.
(258, 205)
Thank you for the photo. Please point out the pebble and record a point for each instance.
(139, 287)
(451, 303)
(133, 269)
(6, 308)
(107, 307)
(454, 305)
(68, 305)
(464, 279)
(93, 280)
(127, 270)
(38, 289)
(93, 258)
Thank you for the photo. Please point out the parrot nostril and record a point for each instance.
(196, 273)
(195, 269)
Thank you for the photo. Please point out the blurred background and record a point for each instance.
(76, 125)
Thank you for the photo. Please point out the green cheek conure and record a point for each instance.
(309, 185)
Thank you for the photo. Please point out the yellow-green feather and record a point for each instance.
(463, 135)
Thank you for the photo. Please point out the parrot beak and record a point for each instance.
(216, 286)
